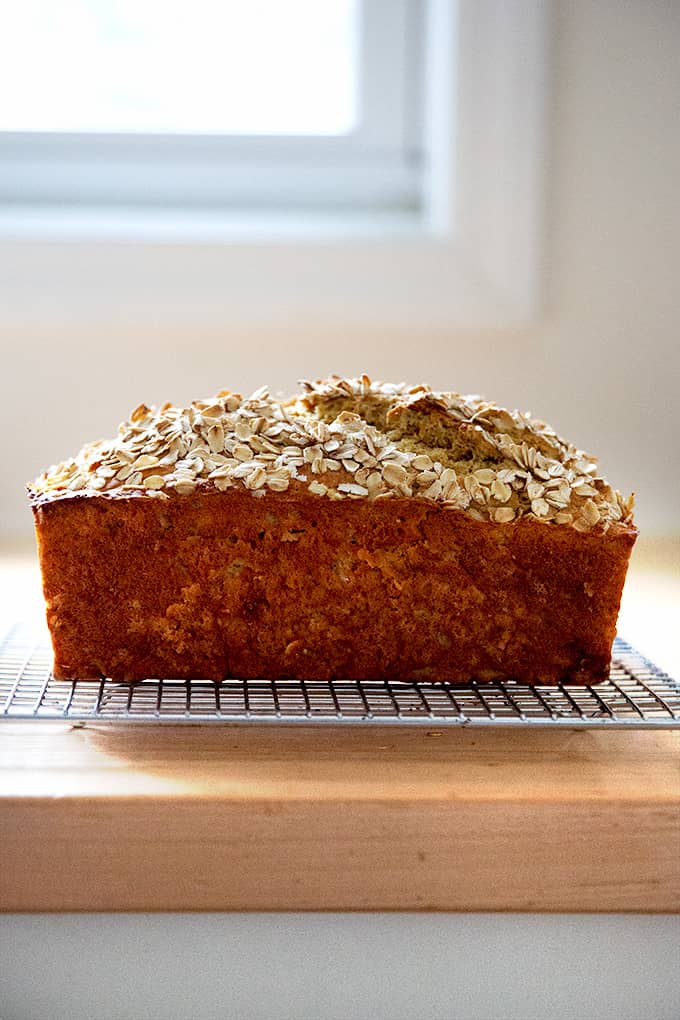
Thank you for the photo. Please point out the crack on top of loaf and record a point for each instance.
(349, 439)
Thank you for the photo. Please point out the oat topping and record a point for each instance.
(350, 439)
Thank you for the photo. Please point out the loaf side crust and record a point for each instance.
(294, 585)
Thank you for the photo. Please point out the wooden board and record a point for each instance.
(227, 818)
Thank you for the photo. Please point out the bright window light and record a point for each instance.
(237, 67)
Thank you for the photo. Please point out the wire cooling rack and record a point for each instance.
(637, 694)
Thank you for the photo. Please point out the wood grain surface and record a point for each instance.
(240, 818)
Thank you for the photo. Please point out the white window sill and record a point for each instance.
(100, 224)
(376, 270)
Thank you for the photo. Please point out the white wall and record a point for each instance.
(602, 365)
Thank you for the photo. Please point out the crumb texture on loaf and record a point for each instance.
(349, 439)
(305, 588)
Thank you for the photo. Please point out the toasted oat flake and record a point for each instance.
(352, 489)
(535, 490)
(394, 474)
(540, 507)
(503, 515)
(590, 513)
(242, 452)
(140, 413)
(256, 478)
(185, 487)
(277, 484)
(501, 491)
(216, 438)
(585, 489)
(147, 460)
(154, 482)
(485, 476)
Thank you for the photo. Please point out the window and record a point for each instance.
(414, 195)
(227, 103)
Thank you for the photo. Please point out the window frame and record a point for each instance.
(373, 166)
(469, 257)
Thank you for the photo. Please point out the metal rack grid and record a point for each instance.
(637, 694)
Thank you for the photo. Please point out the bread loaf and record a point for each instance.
(355, 531)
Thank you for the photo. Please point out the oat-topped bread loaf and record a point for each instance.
(356, 530)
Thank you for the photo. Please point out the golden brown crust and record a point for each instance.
(295, 585)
